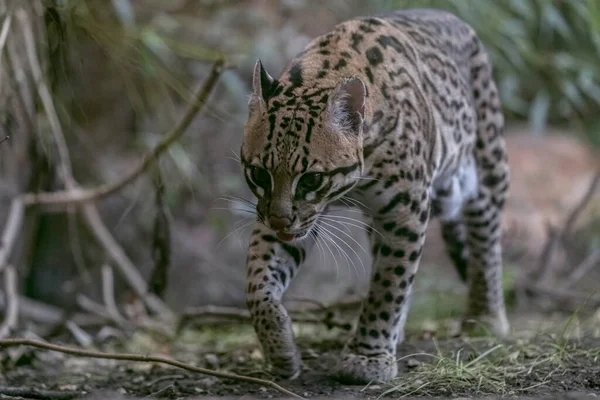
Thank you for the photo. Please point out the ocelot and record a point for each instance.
(400, 112)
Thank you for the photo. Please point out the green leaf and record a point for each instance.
(556, 21)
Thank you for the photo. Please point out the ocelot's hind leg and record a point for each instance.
(486, 308)
(483, 214)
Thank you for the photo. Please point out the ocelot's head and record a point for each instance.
(302, 148)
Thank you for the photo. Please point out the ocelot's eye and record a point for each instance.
(260, 177)
(310, 181)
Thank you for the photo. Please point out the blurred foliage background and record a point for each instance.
(121, 71)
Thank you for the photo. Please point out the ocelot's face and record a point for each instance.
(293, 187)
(300, 157)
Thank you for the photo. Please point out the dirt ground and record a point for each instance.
(562, 361)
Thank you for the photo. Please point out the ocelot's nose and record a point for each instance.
(279, 223)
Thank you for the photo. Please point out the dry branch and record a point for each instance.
(108, 295)
(12, 302)
(46, 98)
(591, 261)
(48, 314)
(122, 261)
(233, 314)
(557, 236)
(11, 231)
(3, 39)
(85, 195)
(40, 394)
(74, 193)
(161, 239)
(537, 281)
(568, 301)
(90, 212)
(143, 358)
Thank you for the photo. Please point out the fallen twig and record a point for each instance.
(11, 316)
(82, 337)
(143, 358)
(85, 195)
(91, 306)
(39, 394)
(48, 314)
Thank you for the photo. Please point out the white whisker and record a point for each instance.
(363, 224)
(319, 247)
(357, 202)
(249, 211)
(348, 245)
(321, 233)
(236, 230)
(236, 156)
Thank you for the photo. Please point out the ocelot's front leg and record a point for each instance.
(371, 353)
(271, 265)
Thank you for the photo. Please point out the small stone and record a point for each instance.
(256, 355)
(69, 387)
(211, 360)
(310, 353)
(413, 363)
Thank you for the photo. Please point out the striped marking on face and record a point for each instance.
(329, 187)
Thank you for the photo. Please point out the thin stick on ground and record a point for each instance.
(41, 394)
(86, 195)
(143, 358)
(11, 317)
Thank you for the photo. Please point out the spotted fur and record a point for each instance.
(401, 113)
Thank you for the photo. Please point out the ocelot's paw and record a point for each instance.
(286, 367)
(497, 326)
(359, 369)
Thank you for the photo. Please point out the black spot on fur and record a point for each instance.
(295, 75)
(374, 56)
(400, 270)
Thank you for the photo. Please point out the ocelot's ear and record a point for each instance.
(346, 106)
(262, 83)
